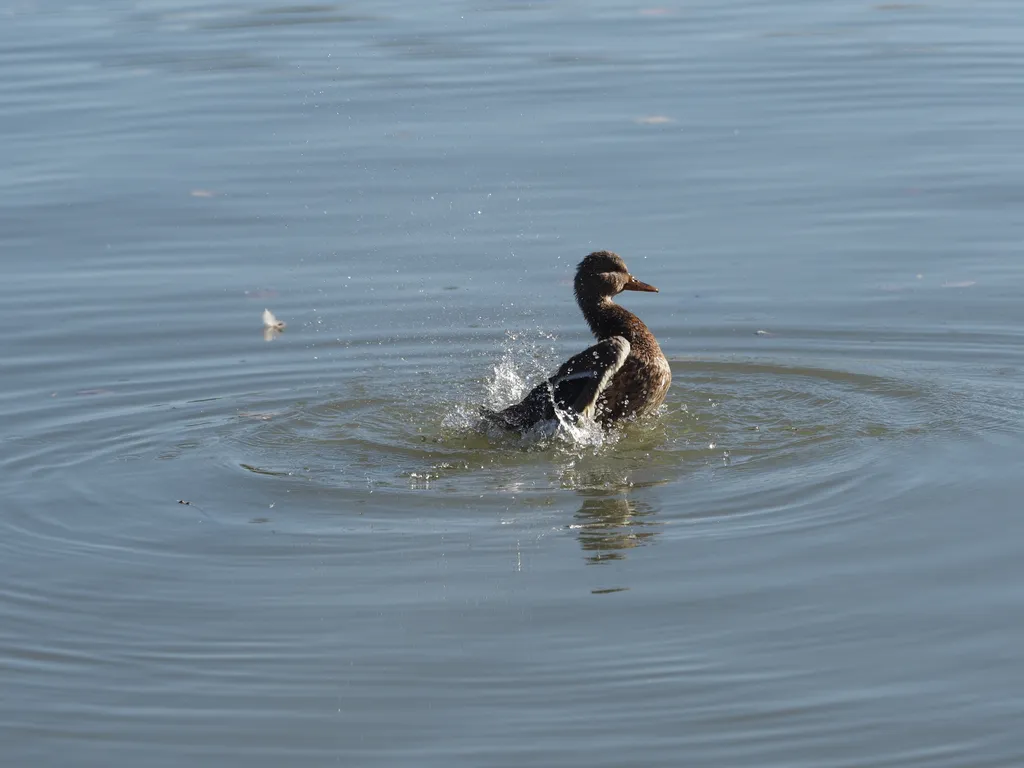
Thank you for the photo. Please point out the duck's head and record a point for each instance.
(603, 274)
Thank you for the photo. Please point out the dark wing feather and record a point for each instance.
(582, 379)
(574, 389)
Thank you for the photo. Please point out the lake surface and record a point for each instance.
(220, 550)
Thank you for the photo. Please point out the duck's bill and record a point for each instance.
(636, 285)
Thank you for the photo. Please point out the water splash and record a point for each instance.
(526, 359)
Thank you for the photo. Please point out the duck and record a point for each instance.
(624, 375)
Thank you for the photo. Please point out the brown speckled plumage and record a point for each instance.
(625, 374)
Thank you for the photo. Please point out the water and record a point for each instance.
(220, 550)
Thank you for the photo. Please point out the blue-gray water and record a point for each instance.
(812, 557)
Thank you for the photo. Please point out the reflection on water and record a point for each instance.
(608, 524)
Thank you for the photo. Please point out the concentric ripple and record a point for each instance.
(740, 444)
(735, 416)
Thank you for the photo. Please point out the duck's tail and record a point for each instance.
(535, 407)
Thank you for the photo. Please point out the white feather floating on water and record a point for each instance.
(272, 322)
(272, 327)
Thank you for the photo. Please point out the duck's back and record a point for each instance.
(638, 388)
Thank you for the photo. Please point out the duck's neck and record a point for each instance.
(607, 319)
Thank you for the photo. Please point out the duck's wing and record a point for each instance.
(574, 389)
(535, 408)
(581, 379)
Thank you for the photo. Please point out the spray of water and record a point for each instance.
(526, 359)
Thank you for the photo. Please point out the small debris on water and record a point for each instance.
(272, 322)
(654, 120)
(271, 326)
(261, 293)
(899, 6)
(256, 415)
